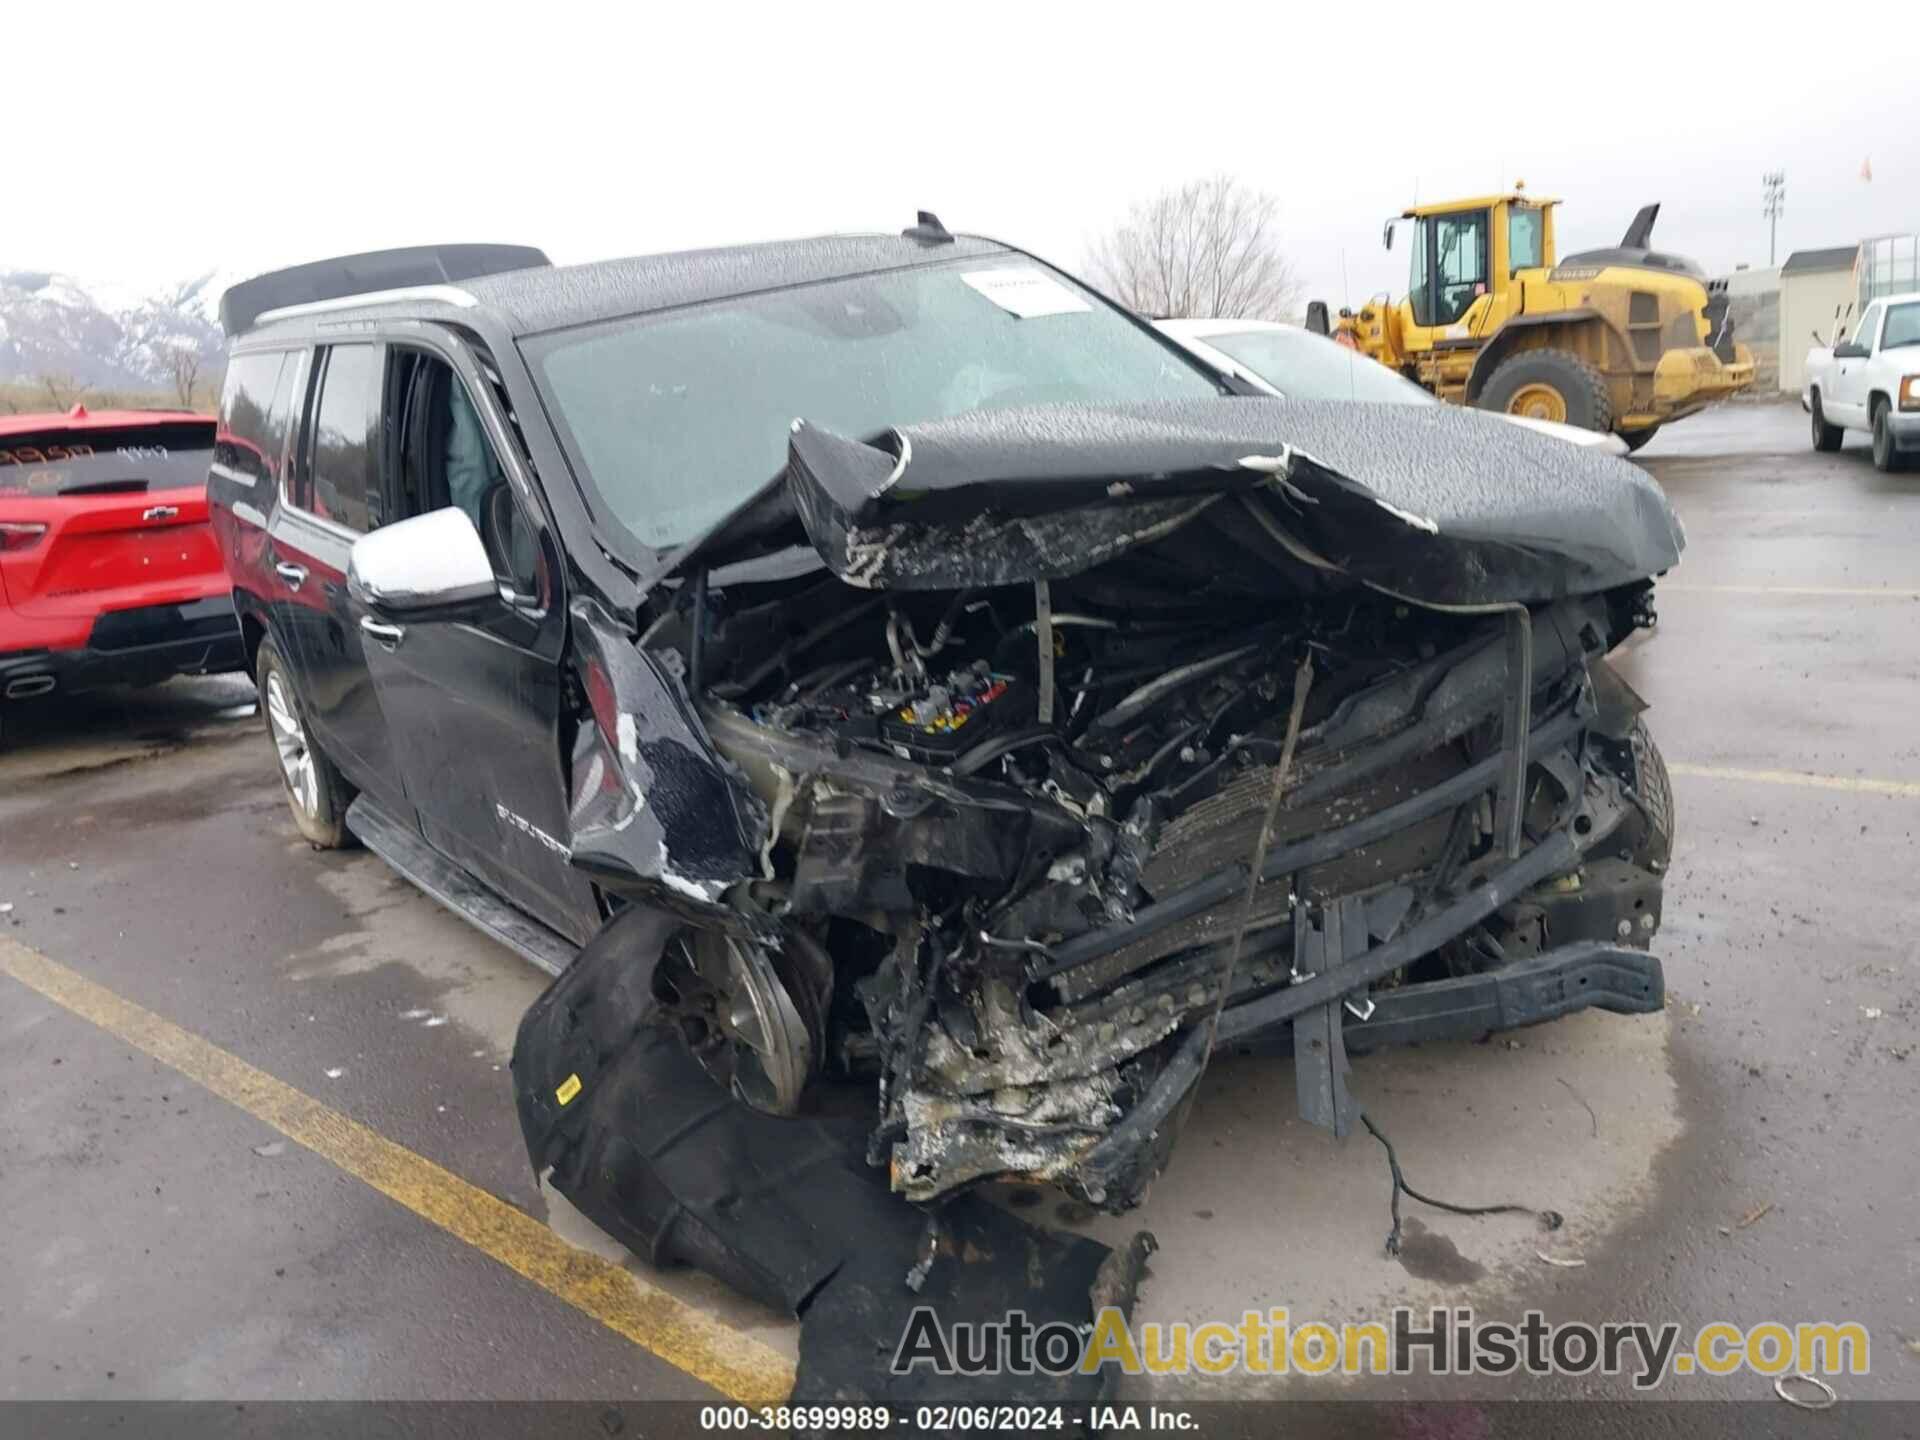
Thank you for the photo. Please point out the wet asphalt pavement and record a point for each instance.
(1749, 1155)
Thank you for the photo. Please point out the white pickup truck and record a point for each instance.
(1871, 381)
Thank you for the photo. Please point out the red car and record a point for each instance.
(109, 573)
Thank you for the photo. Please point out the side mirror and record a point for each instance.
(1318, 320)
(1386, 236)
(1847, 350)
(431, 562)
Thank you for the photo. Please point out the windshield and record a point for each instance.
(676, 419)
(171, 455)
(1903, 327)
(1305, 366)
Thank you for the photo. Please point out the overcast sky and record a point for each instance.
(156, 143)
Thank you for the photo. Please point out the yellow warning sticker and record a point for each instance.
(569, 1088)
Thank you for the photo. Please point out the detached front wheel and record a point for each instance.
(317, 793)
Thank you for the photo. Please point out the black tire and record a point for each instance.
(1636, 438)
(317, 793)
(1582, 390)
(1825, 437)
(1886, 457)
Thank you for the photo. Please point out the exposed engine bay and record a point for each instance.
(1023, 812)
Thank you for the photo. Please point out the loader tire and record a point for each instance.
(1550, 385)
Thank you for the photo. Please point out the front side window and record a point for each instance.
(447, 460)
(345, 468)
(676, 419)
(1525, 231)
(1869, 322)
(1903, 327)
(1460, 251)
(1420, 282)
(1303, 366)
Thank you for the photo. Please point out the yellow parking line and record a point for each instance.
(1825, 592)
(738, 1366)
(1901, 789)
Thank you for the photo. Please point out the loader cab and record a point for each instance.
(1462, 261)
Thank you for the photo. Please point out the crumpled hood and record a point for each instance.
(1441, 505)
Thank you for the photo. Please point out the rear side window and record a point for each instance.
(345, 470)
(245, 445)
(102, 460)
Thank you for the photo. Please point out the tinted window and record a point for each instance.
(95, 460)
(346, 438)
(244, 444)
(287, 398)
(1302, 366)
(677, 419)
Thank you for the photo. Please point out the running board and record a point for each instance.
(454, 888)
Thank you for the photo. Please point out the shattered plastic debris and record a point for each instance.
(273, 1149)
(334, 1073)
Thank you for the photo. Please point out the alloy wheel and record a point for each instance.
(290, 743)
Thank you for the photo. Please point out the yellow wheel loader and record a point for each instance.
(1622, 339)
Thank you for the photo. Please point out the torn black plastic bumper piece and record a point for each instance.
(783, 1210)
(1585, 976)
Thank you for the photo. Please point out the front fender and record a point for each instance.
(656, 813)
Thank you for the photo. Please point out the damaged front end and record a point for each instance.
(1018, 762)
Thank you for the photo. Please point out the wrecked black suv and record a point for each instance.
(885, 658)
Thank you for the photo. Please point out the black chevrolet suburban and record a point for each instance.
(884, 662)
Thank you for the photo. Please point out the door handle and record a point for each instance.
(388, 635)
(294, 575)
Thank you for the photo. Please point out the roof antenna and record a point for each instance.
(928, 230)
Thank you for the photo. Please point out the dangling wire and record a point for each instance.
(1549, 1219)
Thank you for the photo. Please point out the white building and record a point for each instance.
(1815, 287)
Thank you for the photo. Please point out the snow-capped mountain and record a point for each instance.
(52, 324)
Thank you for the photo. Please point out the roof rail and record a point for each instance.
(369, 275)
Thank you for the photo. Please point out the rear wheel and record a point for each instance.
(1825, 437)
(1550, 385)
(317, 793)
(1885, 456)
(1636, 438)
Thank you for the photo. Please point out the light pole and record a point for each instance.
(1774, 187)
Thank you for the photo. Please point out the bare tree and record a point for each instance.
(63, 390)
(183, 367)
(1207, 249)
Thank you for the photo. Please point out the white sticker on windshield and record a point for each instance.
(1025, 294)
